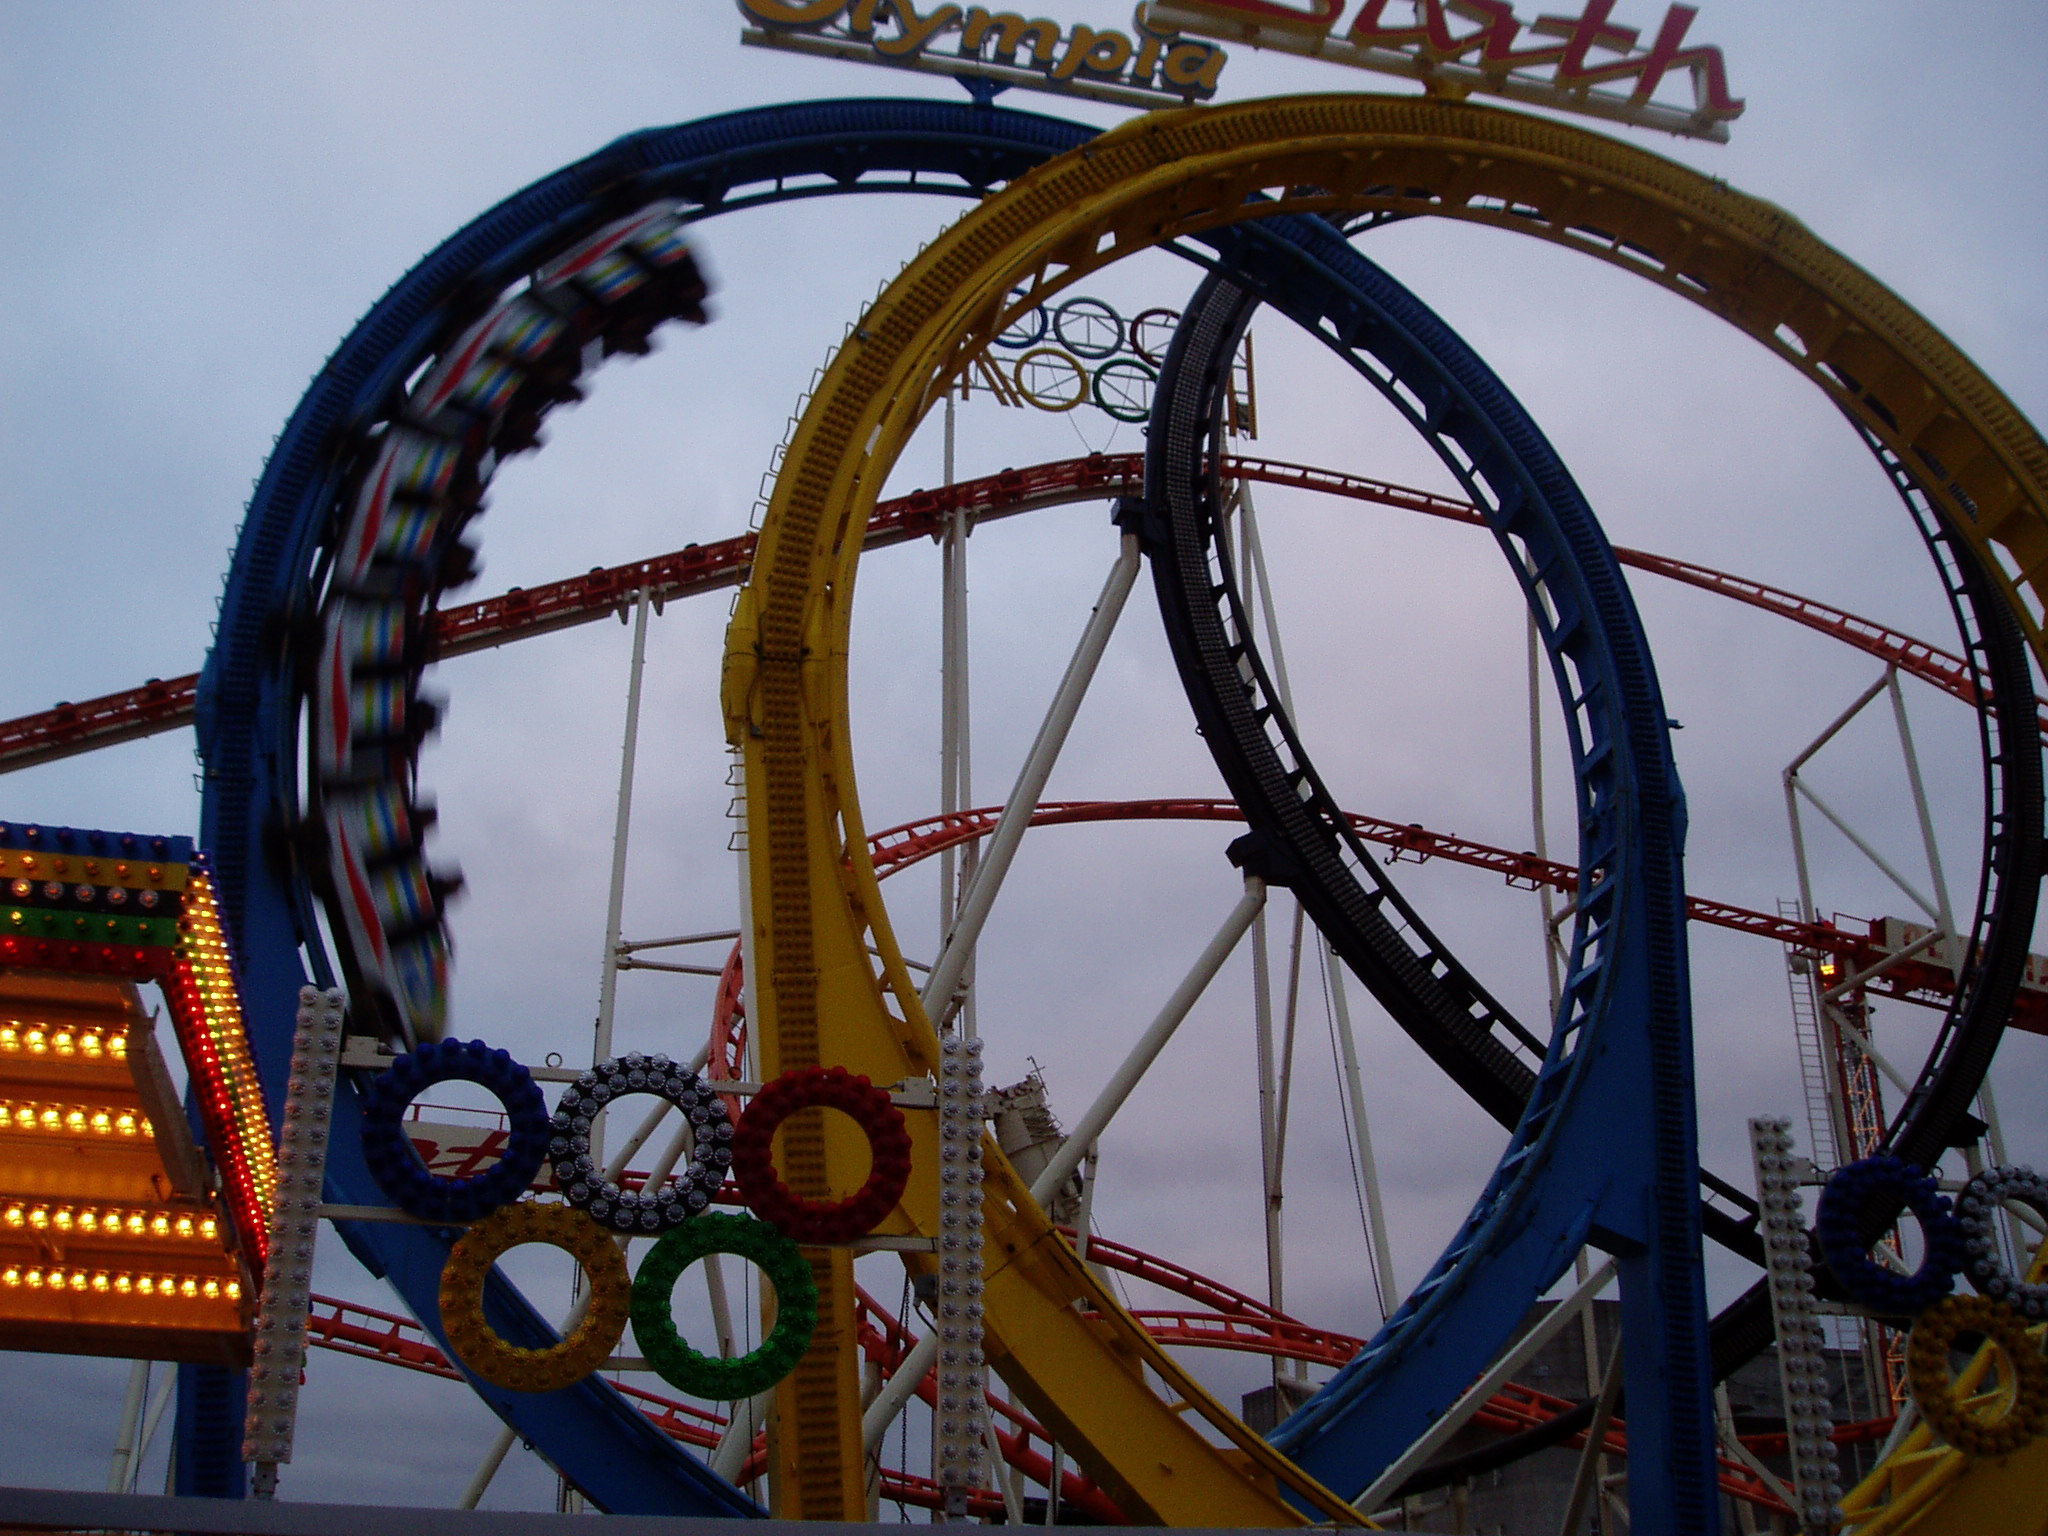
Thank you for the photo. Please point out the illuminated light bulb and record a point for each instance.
(88, 1221)
(74, 1120)
(234, 1290)
(189, 1288)
(79, 1280)
(119, 1044)
(184, 1226)
(51, 1118)
(145, 1285)
(37, 1042)
(39, 1218)
(10, 1037)
(35, 1279)
(142, 1125)
(91, 1045)
(11, 1275)
(126, 1123)
(124, 1284)
(102, 1121)
(160, 1226)
(62, 1220)
(54, 1280)
(134, 1223)
(63, 1042)
(15, 1217)
(211, 1290)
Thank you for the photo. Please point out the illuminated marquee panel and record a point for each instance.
(1586, 63)
(1155, 68)
(110, 1241)
(117, 904)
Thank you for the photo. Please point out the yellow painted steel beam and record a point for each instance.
(817, 910)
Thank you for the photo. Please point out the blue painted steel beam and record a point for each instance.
(248, 699)
(1605, 1150)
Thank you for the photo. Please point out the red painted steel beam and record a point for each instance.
(158, 706)
(1853, 942)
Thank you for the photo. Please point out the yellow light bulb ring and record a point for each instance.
(2023, 1412)
(482, 1349)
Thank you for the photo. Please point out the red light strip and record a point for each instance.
(206, 1010)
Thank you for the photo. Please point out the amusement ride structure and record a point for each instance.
(314, 846)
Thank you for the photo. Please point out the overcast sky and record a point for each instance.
(197, 201)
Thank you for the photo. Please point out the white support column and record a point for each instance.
(1269, 1120)
(131, 1425)
(159, 1404)
(1476, 1396)
(1947, 919)
(487, 1469)
(1368, 1169)
(1134, 1066)
(1079, 1144)
(608, 976)
(953, 693)
(951, 966)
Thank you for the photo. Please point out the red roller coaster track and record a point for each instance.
(1854, 944)
(165, 705)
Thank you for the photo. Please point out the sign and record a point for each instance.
(995, 49)
(1584, 64)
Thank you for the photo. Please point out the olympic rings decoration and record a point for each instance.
(796, 1308)
(397, 1167)
(643, 1211)
(1037, 393)
(1123, 389)
(1027, 330)
(1979, 1201)
(812, 1221)
(1151, 331)
(1095, 357)
(1881, 1187)
(482, 1349)
(2025, 1410)
(1080, 325)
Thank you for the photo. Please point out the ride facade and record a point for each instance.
(311, 720)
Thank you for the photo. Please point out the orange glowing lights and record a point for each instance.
(73, 1119)
(36, 1277)
(111, 1222)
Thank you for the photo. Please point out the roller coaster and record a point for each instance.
(310, 719)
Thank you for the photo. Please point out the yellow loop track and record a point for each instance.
(1062, 1343)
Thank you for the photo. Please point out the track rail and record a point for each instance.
(167, 704)
(1856, 943)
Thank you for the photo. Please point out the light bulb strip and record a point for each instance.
(960, 1447)
(124, 1223)
(38, 1038)
(68, 926)
(1802, 1349)
(279, 1349)
(205, 1008)
(37, 1116)
(119, 1282)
